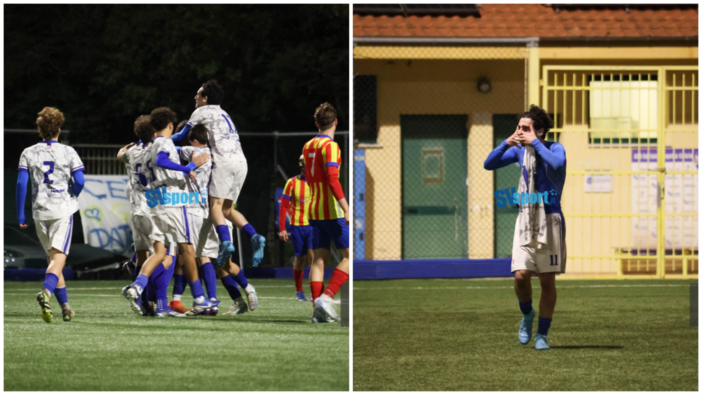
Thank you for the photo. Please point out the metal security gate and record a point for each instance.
(434, 190)
(630, 199)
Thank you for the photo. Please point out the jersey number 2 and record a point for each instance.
(48, 172)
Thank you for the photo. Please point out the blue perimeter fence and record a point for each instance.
(431, 268)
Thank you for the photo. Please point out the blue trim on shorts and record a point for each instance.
(187, 225)
(68, 237)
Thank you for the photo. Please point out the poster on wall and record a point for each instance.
(104, 212)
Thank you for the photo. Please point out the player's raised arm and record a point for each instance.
(554, 157)
(503, 155)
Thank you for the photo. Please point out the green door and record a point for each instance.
(504, 126)
(434, 190)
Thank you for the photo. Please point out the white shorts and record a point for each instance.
(145, 232)
(227, 179)
(55, 233)
(551, 257)
(173, 223)
(204, 236)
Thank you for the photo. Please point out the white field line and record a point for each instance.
(511, 287)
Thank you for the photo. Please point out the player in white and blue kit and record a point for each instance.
(228, 170)
(143, 227)
(204, 235)
(548, 258)
(57, 180)
(167, 196)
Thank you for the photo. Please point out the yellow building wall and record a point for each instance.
(435, 87)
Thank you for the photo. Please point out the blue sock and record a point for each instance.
(61, 295)
(249, 230)
(544, 324)
(162, 286)
(50, 281)
(137, 269)
(210, 279)
(151, 287)
(134, 258)
(141, 281)
(231, 287)
(223, 233)
(179, 284)
(525, 307)
(196, 289)
(241, 279)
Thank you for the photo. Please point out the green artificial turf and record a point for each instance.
(108, 347)
(433, 335)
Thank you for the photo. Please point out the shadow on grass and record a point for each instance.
(588, 347)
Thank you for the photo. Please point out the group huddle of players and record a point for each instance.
(182, 215)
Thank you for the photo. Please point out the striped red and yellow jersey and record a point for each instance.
(298, 192)
(320, 153)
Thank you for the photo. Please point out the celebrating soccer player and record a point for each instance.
(296, 200)
(322, 160)
(167, 196)
(539, 235)
(229, 169)
(52, 166)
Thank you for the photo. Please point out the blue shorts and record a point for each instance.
(301, 239)
(326, 231)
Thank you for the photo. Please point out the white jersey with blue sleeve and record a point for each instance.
(199, 206)
(51, 166)
(221, 133)
(166, 188)
(138, 181)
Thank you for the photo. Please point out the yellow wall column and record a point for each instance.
(480, 200)
(533, 77)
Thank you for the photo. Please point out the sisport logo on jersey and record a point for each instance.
(511, 197)
(162, 197)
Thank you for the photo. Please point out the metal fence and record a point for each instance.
(272, 159)
(630, 200)
(425, 119)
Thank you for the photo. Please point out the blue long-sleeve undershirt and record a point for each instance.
(162, 160)
(503, 155)
(182, 135)
(78, 183)
(21, 195)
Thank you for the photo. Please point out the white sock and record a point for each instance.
(176, 297)
(200, 299)
(249, 288)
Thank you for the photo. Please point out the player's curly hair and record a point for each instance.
(49, 122)
(143, 129)
(199, 133)
(325, 115)
(540, 118)
(161, 117)
(213, 91)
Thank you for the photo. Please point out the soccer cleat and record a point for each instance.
(226, 249)
(525, 327)
(325, 303)
(319, 316)
(251, 295)
(214, 302)
(258, 244)
(199, 308)
(128, 268)
(67, 313)
(177, 306)
(147, 310)
(45, 305)
(541, 342)
(167, 312)
(301, 296)
(132, 295)
(214, 311)
(239, 307)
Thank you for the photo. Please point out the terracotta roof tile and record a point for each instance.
(535, 20)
